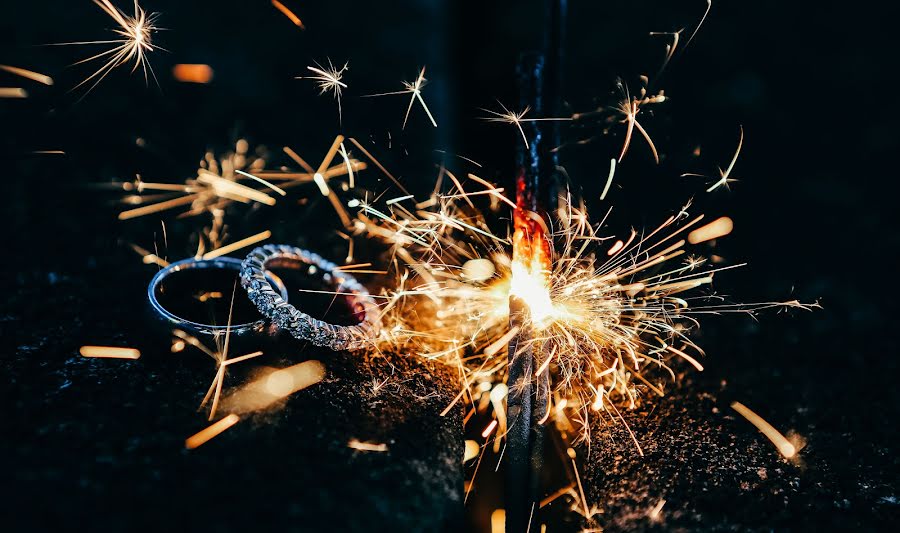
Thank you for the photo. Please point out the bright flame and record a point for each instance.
(531, 286)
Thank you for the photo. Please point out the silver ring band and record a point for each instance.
(154, 289)
(302, 326)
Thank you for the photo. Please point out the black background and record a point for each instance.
(813, 208)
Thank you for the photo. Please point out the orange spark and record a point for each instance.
(289, 14)
(192, 73)
(204, 435)
(109, 352)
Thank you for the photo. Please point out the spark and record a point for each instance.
(216, 185)
(133, 44)
(28, 74)
(413, 88)
(192, 73)
(109, 352)
(655, 514)
(206, 434)
(702, 20)
(609, 178)
(237, 245)
(605, 326)
(724, 176)
(784, 446)
(516, 118)
(289, 14)
(13, 92)
(717, 228)
(367, 446)
(328, 79)
(630, 107)
(220, 356)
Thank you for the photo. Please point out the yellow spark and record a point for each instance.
(367, 446)
(724, 176)
(783, 445)
(13, 92)
(329, 79)
(133, 44)
(109, 352)
(719, 227)
(205, 435)
(237, 245)
(516, 118)
(609, 178)
(31, 75)
(415, 89)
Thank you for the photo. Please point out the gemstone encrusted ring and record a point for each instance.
(302, 326)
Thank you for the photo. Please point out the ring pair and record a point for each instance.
(270, 296)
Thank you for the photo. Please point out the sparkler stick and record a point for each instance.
(529, 391)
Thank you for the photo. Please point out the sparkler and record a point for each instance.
(134, 43)
(414, 89)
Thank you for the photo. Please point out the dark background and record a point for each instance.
(99, 442)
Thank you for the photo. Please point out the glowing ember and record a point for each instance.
(110, 352)
(784, 446)
(205, 435)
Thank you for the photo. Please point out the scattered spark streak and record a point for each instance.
(192, 73)
(346, 158)
(13, 92)
(205, 435)
(655, 513)
(109, 352)
(367, 446)
(717, 228)
(399, 199)
(289, 14)
(784, 446)
(272, 186)
(702, 20)
(214, 188)
(133, 45)
(237, 245)
(28, 74)
(379, 165)
(148, 257)
(329, 79)
(512, 117)
(489, 429)
(724, 176)
(415, 89)
(609, 178)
